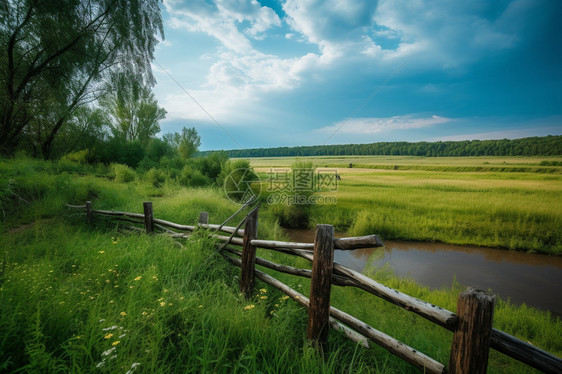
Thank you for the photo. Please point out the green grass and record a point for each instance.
(69, 292)
(487, 201)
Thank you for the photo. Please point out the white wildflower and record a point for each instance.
(108, 352)
(133, 367)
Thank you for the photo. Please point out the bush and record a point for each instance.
(190, 177)
(80, 157)
(212, 165)
(291, 216)
(155, 177)
(122, 173)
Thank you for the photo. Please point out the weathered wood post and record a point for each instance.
(89, 212)
(148, 217)
(320, 285)
(203, 218)
(471, 340)
(249, 254)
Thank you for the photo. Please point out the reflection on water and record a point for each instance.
(523, 278)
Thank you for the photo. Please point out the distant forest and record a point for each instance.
(534, 146)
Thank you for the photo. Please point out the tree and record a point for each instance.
(186, 144)
(61, 50)
(133, 109)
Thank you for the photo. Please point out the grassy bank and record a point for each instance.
(80, 299)
(490, 201)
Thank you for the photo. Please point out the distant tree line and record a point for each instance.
(533, 146)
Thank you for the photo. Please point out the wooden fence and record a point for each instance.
(472, 329)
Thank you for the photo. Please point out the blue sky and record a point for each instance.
(251, 74)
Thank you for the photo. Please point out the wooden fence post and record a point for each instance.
(148, 217)
(471, 340)
(88, 212)
(249, 254)
(204, 217)
(320, 285)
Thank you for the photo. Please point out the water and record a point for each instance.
(533, 279)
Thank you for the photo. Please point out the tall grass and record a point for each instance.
(444, 199)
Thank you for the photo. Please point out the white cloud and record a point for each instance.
(239, 73)
(378, 125)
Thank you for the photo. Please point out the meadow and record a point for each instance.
(78, 298)
(505, 202)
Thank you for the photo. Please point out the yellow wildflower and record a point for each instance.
(101, 251)
(200, 306)
(163, 303)
(123, 314)
(108, 336)
(284, 297)
(263, 297)
(116, 342)
(138, 278)
(248, 307)
(263, 290)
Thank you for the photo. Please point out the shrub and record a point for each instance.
(291, 216)
(80, 157)
(122, 173)
(155, 177)
(190, 177)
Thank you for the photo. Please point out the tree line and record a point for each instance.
(532, 146)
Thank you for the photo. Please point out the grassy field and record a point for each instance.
(75, 298)
(513, 203)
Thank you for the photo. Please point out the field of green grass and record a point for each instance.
(513, 203)
(78, 298)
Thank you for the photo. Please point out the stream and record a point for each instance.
(533, 279)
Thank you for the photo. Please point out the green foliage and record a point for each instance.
(212, 164)
(155, 177)
(291, 207)
(185, 143)
(120, 151)
(80, 157)
(122, 173)
(290, 215)
(54, 55)
(239, 180)
(158, 149)
(191, 177)
(133, 109)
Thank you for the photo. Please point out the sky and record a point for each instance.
(271, 73)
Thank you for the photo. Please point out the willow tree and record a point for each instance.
(54, 55)
(133, 110)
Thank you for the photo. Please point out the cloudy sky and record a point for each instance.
(269, 73)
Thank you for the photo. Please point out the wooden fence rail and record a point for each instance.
(473, 334)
